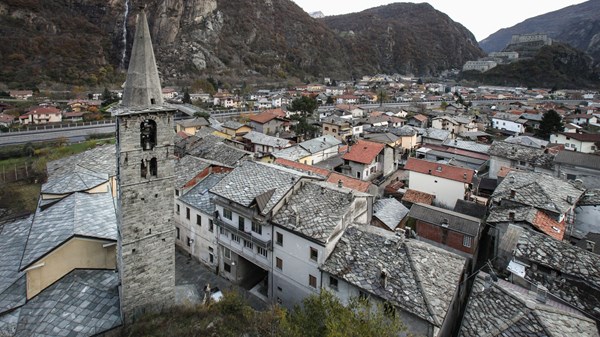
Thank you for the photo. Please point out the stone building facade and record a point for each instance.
(145, 136)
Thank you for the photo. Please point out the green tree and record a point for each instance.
(551, 123)
(186, 97)
(108, 97)
(324, 315)
(202, 114)
(305, 104)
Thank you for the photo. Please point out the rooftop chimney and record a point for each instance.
(383, 277)
(512, 193)
(511, 216)
(541, 293)
(340, 183)
(589, 245)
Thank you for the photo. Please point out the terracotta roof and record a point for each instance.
(266, 116)
(182, 134)
(363, 152)
(302, 167)
(419, 117)
(43, 110)
(583, 137)
(418, 197)
(6, 118)
(548, 225)
(585, 116)
(349, 182)
(440, 170)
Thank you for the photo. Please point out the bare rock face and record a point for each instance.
(89, 41)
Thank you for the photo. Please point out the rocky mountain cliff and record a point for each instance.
(405, 38)
(88, 41)
(577, 25)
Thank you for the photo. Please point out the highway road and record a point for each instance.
(73, 134)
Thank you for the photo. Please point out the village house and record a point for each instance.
(519, 157)
(420, 284)
(337, 127)
(432, 136)
(563, 272)
(41, 115)
(269, 122)
(577, 141)
(581, 119)
(447, 183)
(169, 93)
(263, 145)
(419, 121)
(456, 232)
(523, 312)
(535, 200)
(21, 94)
(509, 122)
(6, 120)
(191, 126)
(578, 166)
(59, 264)
(389, 214)
(311, 151)
(233, 130)
(367, 160)
(455, 124)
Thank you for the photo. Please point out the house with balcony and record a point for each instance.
(269, 122)
(41, 115)
(245, 202)
(367, 160)
(447, 183)
(307, 228)
(455, 124)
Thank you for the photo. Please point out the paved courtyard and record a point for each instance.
(191, 277)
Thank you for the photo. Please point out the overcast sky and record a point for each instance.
(481, 17)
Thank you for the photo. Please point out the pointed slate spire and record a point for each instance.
(142, 88)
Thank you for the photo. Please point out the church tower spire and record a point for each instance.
(142, 88)
(146, 179)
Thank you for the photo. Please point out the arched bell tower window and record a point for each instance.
(153, 167)
(148, 135)
(143, 169)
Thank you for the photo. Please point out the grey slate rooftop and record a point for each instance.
(539, 190)
(536, 157)
(389, 211)
(79, 214)
(578, 279)
(318, 144)
(317, 210)
(102, 159)
(422, 278)
(432, 133)
(470, 208)
(293, 153)
(199, 198)
(467, 145)
(436, 216)
(82, 303)
(233, 125)
(262, 139)
(502, 310)
(13, 237)
(573, 158)
(78, 180)
(527, 141)
(187, 168)
(252, 180)
(212, 148)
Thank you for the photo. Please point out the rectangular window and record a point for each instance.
(279, 239)
(227, 267)
(177, 211)
(241, 223)
(262, 251)
(279, 263)
(176, 193)
(312, 281)
(358, 175)
(189, 241)
(227, 213)
(467, 241)
(235, 238)
(187, 213)
(314, 254)
(177, 228)
(211, 225)
(248, 244)
(227, 253)
(198, 220)
(256, 228)
(333, 283)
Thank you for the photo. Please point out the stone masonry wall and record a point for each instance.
(147, 238)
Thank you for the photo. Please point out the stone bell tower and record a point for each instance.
(145, 173)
